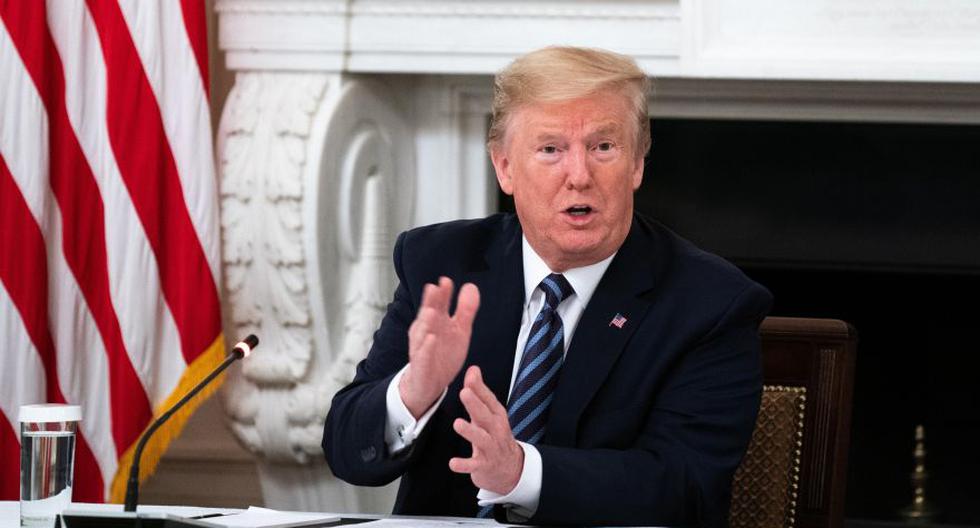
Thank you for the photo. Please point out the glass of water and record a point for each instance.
(47, 461)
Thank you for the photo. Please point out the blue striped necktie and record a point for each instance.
(537, 377)
(541, 362)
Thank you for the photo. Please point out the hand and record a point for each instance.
(498, 460)
(437, 344)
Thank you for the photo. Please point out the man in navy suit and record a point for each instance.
(593, 368)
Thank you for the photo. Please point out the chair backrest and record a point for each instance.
(795, 470)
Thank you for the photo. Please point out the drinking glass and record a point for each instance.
(47, 461)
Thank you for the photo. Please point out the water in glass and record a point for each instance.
(46, 476)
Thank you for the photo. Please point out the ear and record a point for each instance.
(637, 175)
(501, 165)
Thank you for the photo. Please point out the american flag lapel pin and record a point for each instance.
(618, 321)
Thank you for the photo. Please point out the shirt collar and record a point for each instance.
(584, 280)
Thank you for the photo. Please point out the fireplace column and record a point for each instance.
(317, 176)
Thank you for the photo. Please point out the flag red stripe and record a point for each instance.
(25, 279)
(26, 276)
(147, 166)
(9, 458)
(81, 208)
(89, 485)
(197, 32)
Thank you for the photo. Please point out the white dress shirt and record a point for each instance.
(402, 428)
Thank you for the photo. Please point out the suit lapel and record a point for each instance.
(597, 343)
(500, 278)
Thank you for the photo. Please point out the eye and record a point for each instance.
(605, 146)
(549, 149)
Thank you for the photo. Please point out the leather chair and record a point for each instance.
(795, 470)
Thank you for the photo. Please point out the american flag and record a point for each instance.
(109, 249)
(618, 321)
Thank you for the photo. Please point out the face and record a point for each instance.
(572, 168)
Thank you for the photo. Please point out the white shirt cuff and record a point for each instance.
(401, 428)
(523, 499)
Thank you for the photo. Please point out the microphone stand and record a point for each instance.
(133, 485)
(239, 351)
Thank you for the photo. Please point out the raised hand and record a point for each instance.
(437, 343)
(498, 459)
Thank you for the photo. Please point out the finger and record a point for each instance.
(497, 427)
(472, 434)
(467, 305)
(429, 293)
(473, 375)
(478, 411)
(474, 382)
(444, 295)
(463, 465)
(416, 331)
(475, 435)
(422, 325)
(426, 318)
(497, 423)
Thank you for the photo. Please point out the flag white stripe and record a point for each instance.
(19, 107)
(19, 356)
(165, 50)
(84, 379)
(134, 279)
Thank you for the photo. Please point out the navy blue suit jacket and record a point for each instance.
(649, 421)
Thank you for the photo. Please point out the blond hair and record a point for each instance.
(562, 73)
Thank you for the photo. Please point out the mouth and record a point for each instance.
(579, 210)
(579, 215)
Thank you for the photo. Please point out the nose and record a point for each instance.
(578, 173)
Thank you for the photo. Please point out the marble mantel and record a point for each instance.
(350, 121)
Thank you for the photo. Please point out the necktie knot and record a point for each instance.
(556, 289)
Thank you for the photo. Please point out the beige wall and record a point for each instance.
(221, 78)
(205, 467)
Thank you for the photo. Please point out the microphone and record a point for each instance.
(240, 351)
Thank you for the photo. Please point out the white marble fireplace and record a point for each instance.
(350, 121)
